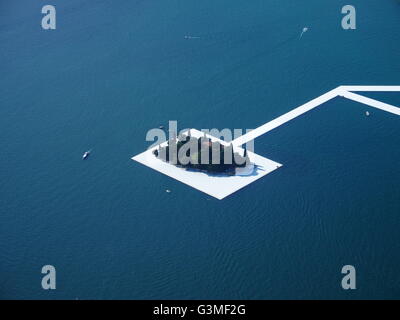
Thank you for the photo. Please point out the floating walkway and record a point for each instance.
(372, 103)
(217, 186)
(342, 91)
(371, 88)
(221, 187)
(285, 118)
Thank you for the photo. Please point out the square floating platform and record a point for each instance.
(214, 185)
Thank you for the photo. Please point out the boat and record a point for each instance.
(85, 155)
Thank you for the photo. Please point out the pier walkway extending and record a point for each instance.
(222, 186)
(341, 91)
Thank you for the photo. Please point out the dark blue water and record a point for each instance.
(111, 71)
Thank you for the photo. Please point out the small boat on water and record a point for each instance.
(85, 155)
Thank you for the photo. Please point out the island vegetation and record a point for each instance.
(202, 154)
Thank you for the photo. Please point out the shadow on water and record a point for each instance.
(255, 172)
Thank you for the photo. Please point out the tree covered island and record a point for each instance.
(202, 154)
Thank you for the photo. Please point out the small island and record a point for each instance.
(202, 154)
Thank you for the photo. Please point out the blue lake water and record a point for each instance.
(111, 71)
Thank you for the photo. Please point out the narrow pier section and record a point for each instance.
(371, 102)
(371, 88)
(287, 117)
(342, 91)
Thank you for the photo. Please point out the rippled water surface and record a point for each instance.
(111, 71)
